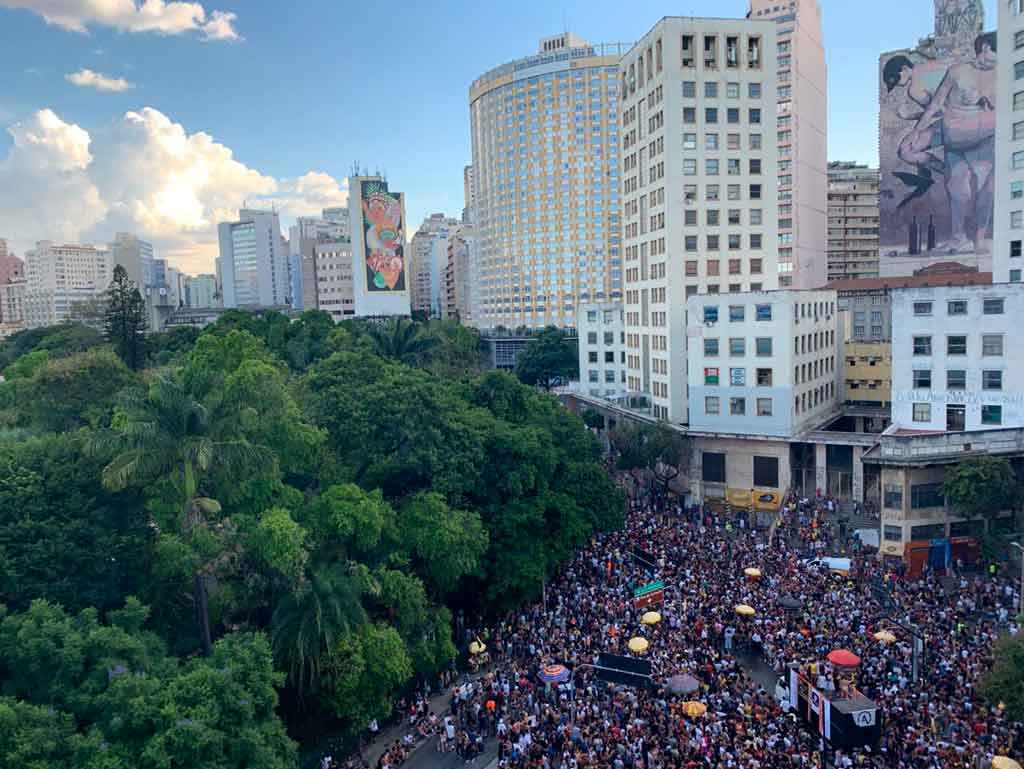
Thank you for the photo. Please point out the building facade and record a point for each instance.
(135, 256)
(334, 225)
(546, 171)
(12, 306)
(457, 277)
(57, 277)
(429, 248)
(253, 266)
(698, 103)
(602, 349)
(201, 292)
(1007, 250)
(802, 105)
(334, 289)
(380, 264)
(867, 374)
(763, 363)
(955, 366)
(852, 221)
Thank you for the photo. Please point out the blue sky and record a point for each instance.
(314, 85)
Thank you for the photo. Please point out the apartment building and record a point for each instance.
(852, 221)
(58, 276)
(699, 198)
(333, 225)
(801, 96)
(334, 288)
(602, 349)
(867, 374)
(1008, 227)
(457, 276)
(429, 247)
(253, 266)
(545, 181)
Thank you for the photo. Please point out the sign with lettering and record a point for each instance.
(865, 718)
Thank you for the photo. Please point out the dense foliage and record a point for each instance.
(299, 509)
(981, 486)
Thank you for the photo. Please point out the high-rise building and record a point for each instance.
(1008, 230)
(802, 105)
(456, 278)
(698, 108)
(380, 269)
(333, 226)
(253, 262)
(60, 276)
(469, 194)
(335, 292)
(201, 291)
(429, 247)
(12, 306)
(545, 143)
(602, 349)
(135, 256)
(852, 221)
(12, 270)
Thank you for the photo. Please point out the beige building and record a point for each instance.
(545, 180)
(59, 276)
(801, 96)
(867, 374)
(335, 292)
(456, 298)
(429, 251)
(852, 221)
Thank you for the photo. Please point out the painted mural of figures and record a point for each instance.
(385, 258)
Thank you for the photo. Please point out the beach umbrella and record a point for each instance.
(638, 645)
(885, 637)
(554, 674)
(752, 573)
(694, 708)
(1004, 762)
(843, 658)
(651, 618)
(682, 684)
(745, 611)
(477, 647)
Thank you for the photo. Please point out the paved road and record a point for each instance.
(427, 757)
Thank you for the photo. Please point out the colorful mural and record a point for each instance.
(937, 140)
(383, 237)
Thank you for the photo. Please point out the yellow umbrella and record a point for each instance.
(885, 637)
(651, 618)
(477, 647)
(745, 611)
(638, 645)
(1004, 762)
(694, 708)
(752, 573)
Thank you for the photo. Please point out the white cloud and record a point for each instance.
(143, 173)
(168, 17)
(86, 78)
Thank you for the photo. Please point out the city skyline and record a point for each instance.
(100, 136)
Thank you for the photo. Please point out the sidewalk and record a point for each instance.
(388, 736)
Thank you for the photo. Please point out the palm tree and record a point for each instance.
(309, 621)
(401, 339)
(163, 434)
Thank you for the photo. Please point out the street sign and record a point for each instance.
(652, 598)
(623, 670)
(650, 587)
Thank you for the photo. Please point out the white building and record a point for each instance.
(699, 183)
(1008, 225)
(335, 293)
(763, 363)
(380, 264)
(201, 291)
(12, 306)
(59, 276)
(253, 264)
(955, 366)
(135, 256)
(334, 225)
(602, 349)
(429, 247)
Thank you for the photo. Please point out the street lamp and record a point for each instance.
(1020, 597)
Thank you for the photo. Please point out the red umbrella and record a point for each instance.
(844, 658)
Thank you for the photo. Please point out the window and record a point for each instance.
(755, 191)
(755, 142)
(991, 415)
(689, 89)
(956, 379)
(922, 308)
(763, 312)
(755, 167)
(689, 141)
(689, 115)
(764, 407)
(991, 380)
(738, 407)
(591, 337)
(711, 166)
(1018, 100)
(893, 499)
(690, 217)
(593, 376)
(711, 141)
(922, 345)
(737, 313)
(737, 347)
(732, 115)
(710, 114)
(956, 345)
(712, 467)
(1015, 249)
(956, 307)
(755, 116)
(711, 376)
(690, 242)
(592, 356)
(732, 90)
(711, 90)
(764, 377)
(711, 314)
(1018, 130)
(894, 533)
(992, 307)
(1016, 220)
(1016, 190)
(926, 495)
(1018, 37)
(711, 348)
(755, 215)
(922, 379)
(766, 472)
(764, 346)
(1017, 159)
(711, 405)
(733, 192)
(733, 167)
(1015, 276)
(1018, 70)
(992, 345)
(689, 166)
(922, 412)
(956, 418)
(737, 377)
(711, 192)
(754, 90)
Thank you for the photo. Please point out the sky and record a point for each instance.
(163, 117)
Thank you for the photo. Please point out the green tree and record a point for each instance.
(981, 487)
(1005, 682)
(547, 359)
(78, 391)
(402, 340)
(447, 543)
(165, 436)
(124, 319)
(59, 341)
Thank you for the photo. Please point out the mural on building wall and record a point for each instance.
(383, 237)
(937, 139)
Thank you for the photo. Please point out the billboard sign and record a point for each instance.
(383, 237)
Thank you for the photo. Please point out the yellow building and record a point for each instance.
(867, 373)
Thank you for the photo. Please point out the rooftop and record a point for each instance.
(924, 280)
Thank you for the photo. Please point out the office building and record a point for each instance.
(867, 374)
(763, 363)
(334, 225)
(335, 292)
(201, 291)
(602, 349)
(699, 187)
(429, 247)
(60, 276)
(546, 171)
(852, 221)
(456, 280)
(802, 104)
(253, 263)
(135, 256)
(1008, 228)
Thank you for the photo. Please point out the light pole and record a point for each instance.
(1020, 596)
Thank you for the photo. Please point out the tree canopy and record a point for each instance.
(549, 358)
(981, 487)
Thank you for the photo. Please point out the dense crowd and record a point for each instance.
(940, 722)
